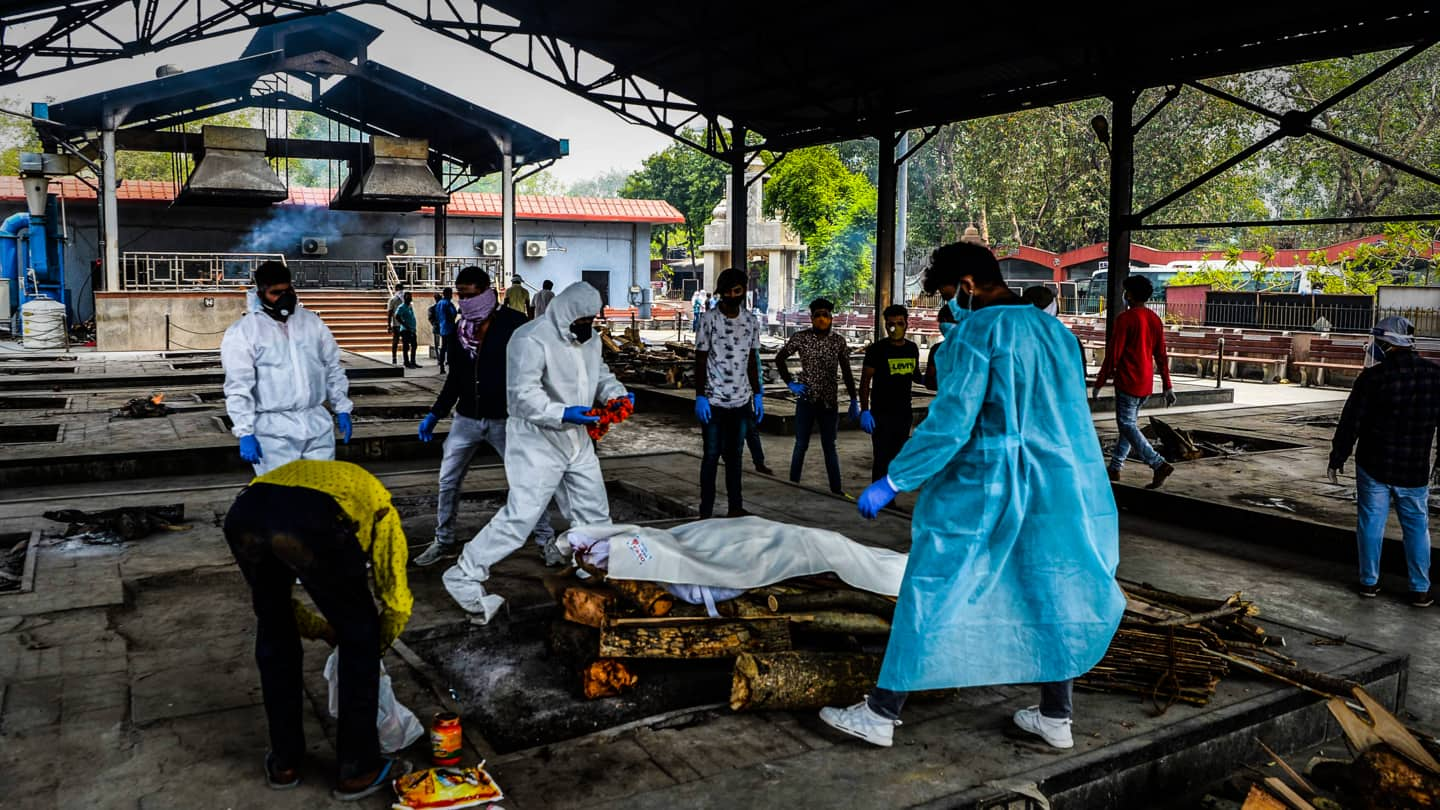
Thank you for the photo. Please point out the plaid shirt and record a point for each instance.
(1393, 410)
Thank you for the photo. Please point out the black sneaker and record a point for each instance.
(1368, 591)
(1421, 600)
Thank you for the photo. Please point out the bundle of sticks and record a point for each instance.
(792, 645)
(1175, 648)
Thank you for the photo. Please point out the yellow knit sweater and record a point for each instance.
(366, 501)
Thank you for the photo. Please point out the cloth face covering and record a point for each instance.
(581, 331)
(283, 307)
(473, 312)
(897, 332)
(730, 305)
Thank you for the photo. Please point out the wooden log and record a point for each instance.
(716, 638)
(1381, 778)
(588, 604)
(831, 600)
(839, 621)
(1260, 799)
(605, 677)
(650, 598)
(801, 680)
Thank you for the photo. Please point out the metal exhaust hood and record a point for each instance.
(231, 170)
(395, 176)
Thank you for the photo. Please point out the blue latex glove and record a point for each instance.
(867, 422)
(798, 389)
(759, 408)
(854, 410)
(427, 427)
(575, 415)
(343, 420)
(250, 449)
(702, 409)
(877, 496)
(631, 396)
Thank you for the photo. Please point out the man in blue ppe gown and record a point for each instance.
(1015, 539)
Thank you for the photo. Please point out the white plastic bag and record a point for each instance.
(398, 727)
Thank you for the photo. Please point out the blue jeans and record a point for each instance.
(752, 440)
(1127, 418)
(1054, 701)
(807, 415)
(1412, 505)
(724, 437)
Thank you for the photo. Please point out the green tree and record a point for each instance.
(686, 178)
(605, 184)
(832, 208)
(16, 136)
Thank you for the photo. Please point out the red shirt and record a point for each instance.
(1139, 340)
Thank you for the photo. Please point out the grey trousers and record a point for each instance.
(464, 439)
(1054, 701)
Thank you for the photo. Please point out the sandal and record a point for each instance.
(274, 783)
(393, 769)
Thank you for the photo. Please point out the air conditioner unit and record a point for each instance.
(402, 247)
(534, 248)
(489, 247)
(313, 246)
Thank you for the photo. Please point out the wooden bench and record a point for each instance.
(1201, 347)
(1327, 354)
(1092, 339)
(1270, 352)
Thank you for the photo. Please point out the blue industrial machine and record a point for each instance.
(32, 243)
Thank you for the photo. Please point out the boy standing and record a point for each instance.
(890, 369)
(821, 351)
(727, 388)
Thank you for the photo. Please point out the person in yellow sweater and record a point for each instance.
(323, 522)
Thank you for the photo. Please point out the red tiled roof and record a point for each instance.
(462, 203)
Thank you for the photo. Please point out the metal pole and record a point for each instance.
(1122, 176)
(167, 331)
(109, 208)
(442, 224)
(885, 229)
(902, 217)
(507, 217)
(739, 214)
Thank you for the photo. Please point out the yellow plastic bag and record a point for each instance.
(448, 788)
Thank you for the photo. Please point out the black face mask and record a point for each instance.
(283, 307)
(730, 304)
(582, 331)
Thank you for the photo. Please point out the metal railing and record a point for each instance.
(351, 274)
(188, 272)
(434, 272)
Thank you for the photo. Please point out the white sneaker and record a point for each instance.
(1052, 730)
(554, 557)
(861, 721)
(435, 552)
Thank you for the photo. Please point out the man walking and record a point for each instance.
(890, 371)
(324, 523)
(1392, 412)
(281, 366)
(517, 298)
(1136, 349)
(823, 353)
(727, 388)
(405, 322)
(1015, 534)
(445, 315)
(475, 388)
(554, 375)
(542, 299)
(391, 305)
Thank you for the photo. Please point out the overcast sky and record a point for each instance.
(598, 139)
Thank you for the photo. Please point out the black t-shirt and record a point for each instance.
(896, 369)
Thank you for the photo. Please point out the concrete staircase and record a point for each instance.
(356, 317)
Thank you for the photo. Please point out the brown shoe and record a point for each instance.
(1114, 475)
(1161, 473)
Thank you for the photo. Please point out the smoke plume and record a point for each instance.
(283, 226)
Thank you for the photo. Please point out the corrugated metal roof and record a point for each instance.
(462, 203)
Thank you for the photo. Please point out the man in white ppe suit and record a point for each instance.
(281, 366)
(554, 374)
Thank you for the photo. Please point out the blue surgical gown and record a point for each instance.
(1015, 537)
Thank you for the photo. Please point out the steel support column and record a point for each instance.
(442, 224)
(1122, 178)
(885, 228)
(739, 213)
(507, 216)
(109, 211)
(902, 216)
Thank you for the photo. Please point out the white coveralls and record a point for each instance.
(277, 379)
(546, 371)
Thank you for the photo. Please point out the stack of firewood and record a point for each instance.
(635, 363)
(1175, 648)
(794, 645)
